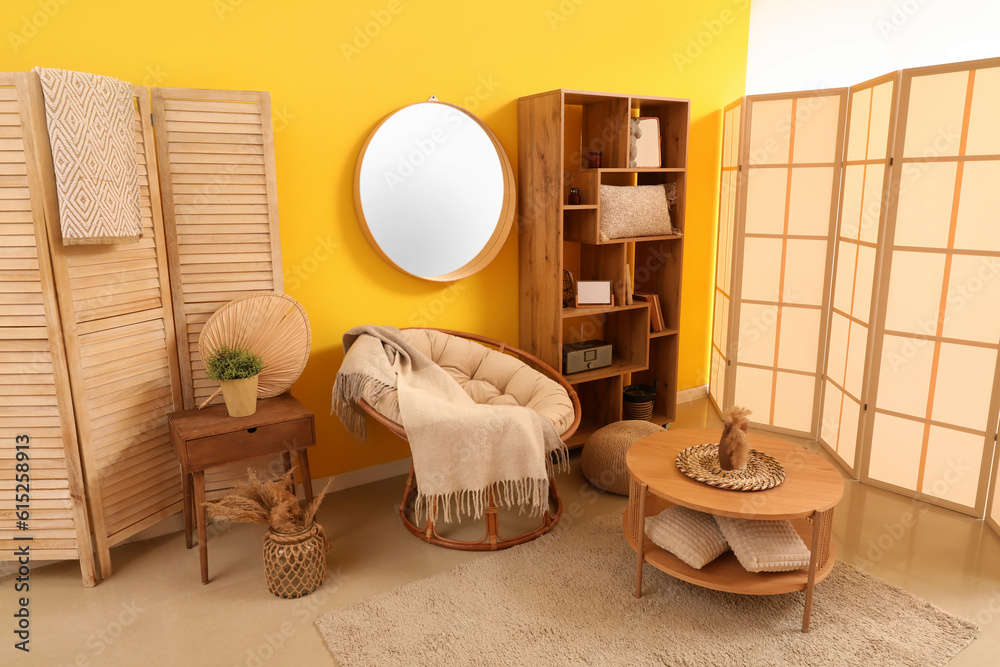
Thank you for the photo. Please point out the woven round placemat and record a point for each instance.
(701, 463)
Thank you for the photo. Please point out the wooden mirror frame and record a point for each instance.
(504, 222)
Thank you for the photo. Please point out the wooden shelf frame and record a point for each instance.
(556, 131)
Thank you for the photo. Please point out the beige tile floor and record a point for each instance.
(155, 611)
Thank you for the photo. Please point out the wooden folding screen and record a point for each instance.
(35, 398)
(117, 324)
(911, 370)
(865, 186)
(729, 189)
(89, 364)
(791, 147)
(220, 203)
(936, 367)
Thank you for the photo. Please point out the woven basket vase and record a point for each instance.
(295, 563)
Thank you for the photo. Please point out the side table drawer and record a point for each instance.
(244, 445)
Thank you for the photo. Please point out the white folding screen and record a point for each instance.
(935, 365)
(910, 355)
(868, 149)
(791, 149)
(732, 119)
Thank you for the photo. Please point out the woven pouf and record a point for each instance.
(603, 458)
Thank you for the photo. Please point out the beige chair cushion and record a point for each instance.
(690, 535)
(765, 546)
(488, 376)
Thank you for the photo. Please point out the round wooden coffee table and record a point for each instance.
(811, 489)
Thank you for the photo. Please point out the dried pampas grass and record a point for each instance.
(272, 502)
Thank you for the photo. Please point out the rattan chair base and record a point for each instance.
(701, 463)
(492, 541)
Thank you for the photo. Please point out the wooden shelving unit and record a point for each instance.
(556, 131)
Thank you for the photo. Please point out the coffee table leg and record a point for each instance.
(199, 501)
(637, 505)
(819, 524)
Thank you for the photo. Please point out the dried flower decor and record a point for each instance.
(271, 502)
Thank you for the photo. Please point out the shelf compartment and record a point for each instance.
(624, 328)
(594, 262)
(587, 181)
(658, 270)
(594, 404)
(663, 358)
(596, 123)
(674, 116)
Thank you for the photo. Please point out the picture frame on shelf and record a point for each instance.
(594, 293)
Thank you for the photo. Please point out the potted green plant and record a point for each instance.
(236, 369)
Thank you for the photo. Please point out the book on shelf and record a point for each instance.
(656, 322)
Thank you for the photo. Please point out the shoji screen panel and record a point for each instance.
(792, 149)
(35, 400)
(935, 364)
(731, 126)
(117, 322)
(220, 203)
(868, 149)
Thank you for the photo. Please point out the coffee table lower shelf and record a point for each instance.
(725, 573)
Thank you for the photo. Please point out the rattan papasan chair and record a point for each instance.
(491, 372)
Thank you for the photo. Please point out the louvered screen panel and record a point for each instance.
(118, 323)
(220, 206)
(34, 389)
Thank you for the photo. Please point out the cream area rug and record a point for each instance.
(567, 599)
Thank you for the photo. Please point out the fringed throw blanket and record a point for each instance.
(91, 124)
(462, 451)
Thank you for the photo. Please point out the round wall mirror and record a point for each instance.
(434, 191)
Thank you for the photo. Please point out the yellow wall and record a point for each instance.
(330, 83)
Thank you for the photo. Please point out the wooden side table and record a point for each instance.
(209, 438)
(806, 498)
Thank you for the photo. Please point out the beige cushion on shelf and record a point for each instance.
(765, 546)
(692, 536)
(488, 376)
(634, 210)
(603, 457)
